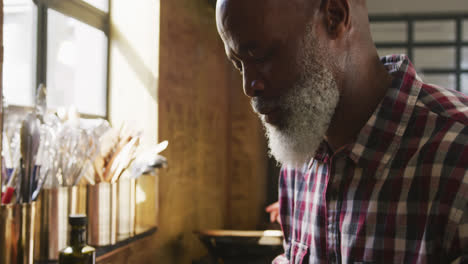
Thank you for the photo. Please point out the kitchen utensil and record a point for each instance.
(8, 195)
(149, 160)
(41, 102)
(30, 139)
(10, 162)
(122, 160)
(68, 154)
(140, 167)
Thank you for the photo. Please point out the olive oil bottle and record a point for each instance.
(77, 252)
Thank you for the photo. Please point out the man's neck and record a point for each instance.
(364, 86)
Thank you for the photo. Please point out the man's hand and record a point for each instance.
(273, 209)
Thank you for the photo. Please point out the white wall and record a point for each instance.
(412, 6)
(134, 56)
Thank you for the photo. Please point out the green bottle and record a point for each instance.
(77, 252)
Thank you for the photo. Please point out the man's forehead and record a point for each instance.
(232, 13)
(262, 19)
(228, 10)
(260, 6)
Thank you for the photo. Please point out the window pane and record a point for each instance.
(434, 31)
(395, 51)
(101, 4)
(464, 84)
(465, 30)
(76, 65)
(434, 58)
(443, 80)
(464, 59)
(389, 32)
(19, 43)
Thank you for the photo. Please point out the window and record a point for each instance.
(19, 54)
(436, 44)
(63, 44)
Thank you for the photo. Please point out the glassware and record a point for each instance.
(78, 252)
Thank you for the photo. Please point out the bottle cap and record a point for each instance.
(77, 220)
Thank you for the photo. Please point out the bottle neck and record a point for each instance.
(78, 236)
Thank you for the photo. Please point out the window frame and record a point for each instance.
(410, 44)
(81, 11)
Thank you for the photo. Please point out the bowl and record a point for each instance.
(236, 246)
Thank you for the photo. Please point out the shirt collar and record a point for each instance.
(378, 140)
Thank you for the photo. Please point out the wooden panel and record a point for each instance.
(1, 83)
(248, 162)
(137, 252)
(193, 116)
(217, 161)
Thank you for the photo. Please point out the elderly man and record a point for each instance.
(374, 160)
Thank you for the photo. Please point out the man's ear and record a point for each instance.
(336, 16)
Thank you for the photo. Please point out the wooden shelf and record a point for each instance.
(105, 252)
(102, 253)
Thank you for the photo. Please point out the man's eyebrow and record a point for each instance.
(249, 46)
(243, 51)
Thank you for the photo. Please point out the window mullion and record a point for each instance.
(41, 46)
(458, 58)
(81, 11)
(410, 39)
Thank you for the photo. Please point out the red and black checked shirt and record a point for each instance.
(399, 194)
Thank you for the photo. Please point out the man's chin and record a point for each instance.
(273, 122)
(286, 149)
(274, 118)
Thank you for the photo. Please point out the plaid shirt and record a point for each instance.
(398, 194)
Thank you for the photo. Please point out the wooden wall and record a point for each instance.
(217, 153)
(1, 80)
(248, 162)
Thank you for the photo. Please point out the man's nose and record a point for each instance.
(253, 84)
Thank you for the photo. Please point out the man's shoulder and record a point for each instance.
(445, 103)
(443, 139)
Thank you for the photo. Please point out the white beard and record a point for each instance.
(306, 110)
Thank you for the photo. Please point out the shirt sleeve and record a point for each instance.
(286, 201)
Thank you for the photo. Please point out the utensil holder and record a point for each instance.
(147, 206)
(77, 200)
(125, 208)
(17, 233)
(52, 230)
(102, 214)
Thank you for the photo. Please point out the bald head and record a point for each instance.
(254, 20)
(251, 29)
(238, 15)
(232, 11)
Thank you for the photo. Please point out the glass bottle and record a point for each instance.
(78, 252)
